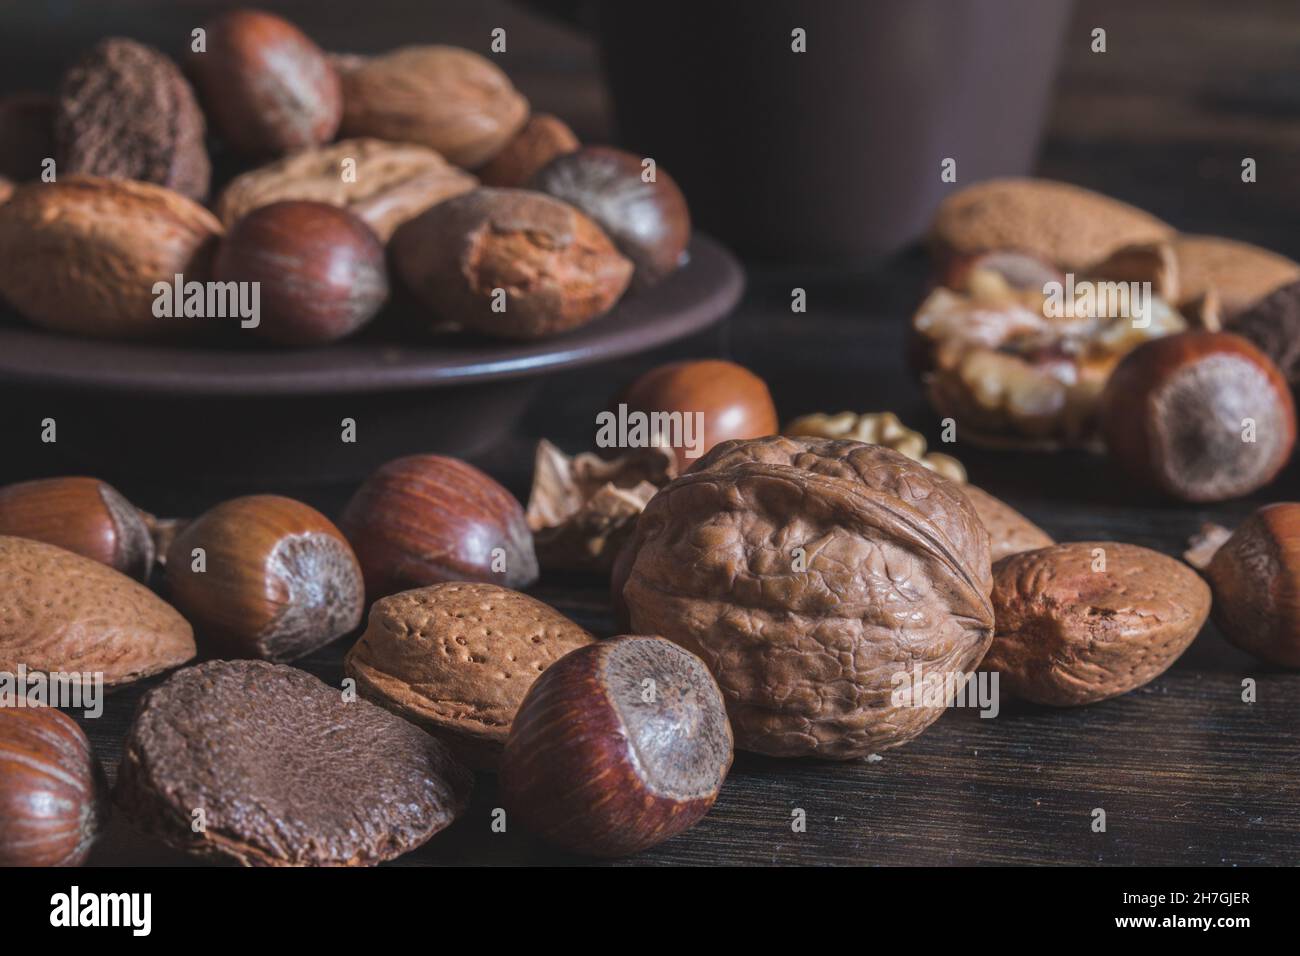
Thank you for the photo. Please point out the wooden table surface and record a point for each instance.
(1186, 772)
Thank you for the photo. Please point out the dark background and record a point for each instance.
(1186, 772)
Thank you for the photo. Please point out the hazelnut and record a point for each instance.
(1255, 576)
(647, 219)
(268, 89)
(617, 747)
(83, 515)
(425, 519)
(457, 658)
(510, 263)
(734, 401)
(1201, 416)
(809, 574)
(1086, 621)
(321, 270)
(62, 612)
(265, 576)
(542, 138)
(51, 789)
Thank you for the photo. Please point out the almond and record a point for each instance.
(384, 184)
(443, 97)
(1010, 532)
(543, 138)
(1065, 225)
(62, 612)
(82, 255)
(458, 658)
(1239, 273)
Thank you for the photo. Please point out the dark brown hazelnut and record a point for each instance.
(320, 270)
(510, 263)
(1255, 576)
(647, 218)
(52, 804)
(542, 138)
(267, 88)
(424, 519)
(734, 401)
(1201, 416)
(266, 577)
(617, 747)
(83, 515)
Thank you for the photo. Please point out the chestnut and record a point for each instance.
(321, 270)
(617, 747)
(267, 89)
(648, 221)
(52, 790)
(1201, 416)
(424, 519)
(1255, 577)
(275, 579)
(734, 401)
(83, 515)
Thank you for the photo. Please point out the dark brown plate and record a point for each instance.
(698, 294)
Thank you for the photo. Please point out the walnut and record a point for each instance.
(812, 575)
(583, 509)
(877, 428)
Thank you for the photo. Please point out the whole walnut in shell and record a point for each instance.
(809, 574)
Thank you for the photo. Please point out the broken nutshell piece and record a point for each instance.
(125, 111)
(1085, 621)
(618, 746)
(1201, 416)
(281, 770)
(583, 509)
(265, 576)
(52, 789)
(854, 564)
(457, 659)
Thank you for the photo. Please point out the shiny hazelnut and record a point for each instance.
(735, 402)
(1255, 577)
(542, 138)
(648, 220)
(424, 519)
(617, 747)
(267, 88)
(52, 790)
(1202, 416)
(267, 577)
(83, 515)
(320, 270)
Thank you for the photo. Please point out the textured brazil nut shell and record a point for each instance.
(82, 255)
(383, 184)
(895, 575)
(125, 111)
(285, 771)
(62, 612)
(458, 658)
(557, 268)
(1070, 632)
(1010, 532)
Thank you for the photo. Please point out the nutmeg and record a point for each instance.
(1201, 416)
(265, 576)
(541, 139)
(510, 263)
(52, 789)
(424, 519)
(640, 207)
(457, 659)
(267, 88)
(320, 269)
(1255, 576)
(1085, 621)
(83, 515)
(734, 402)
(617, 747)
